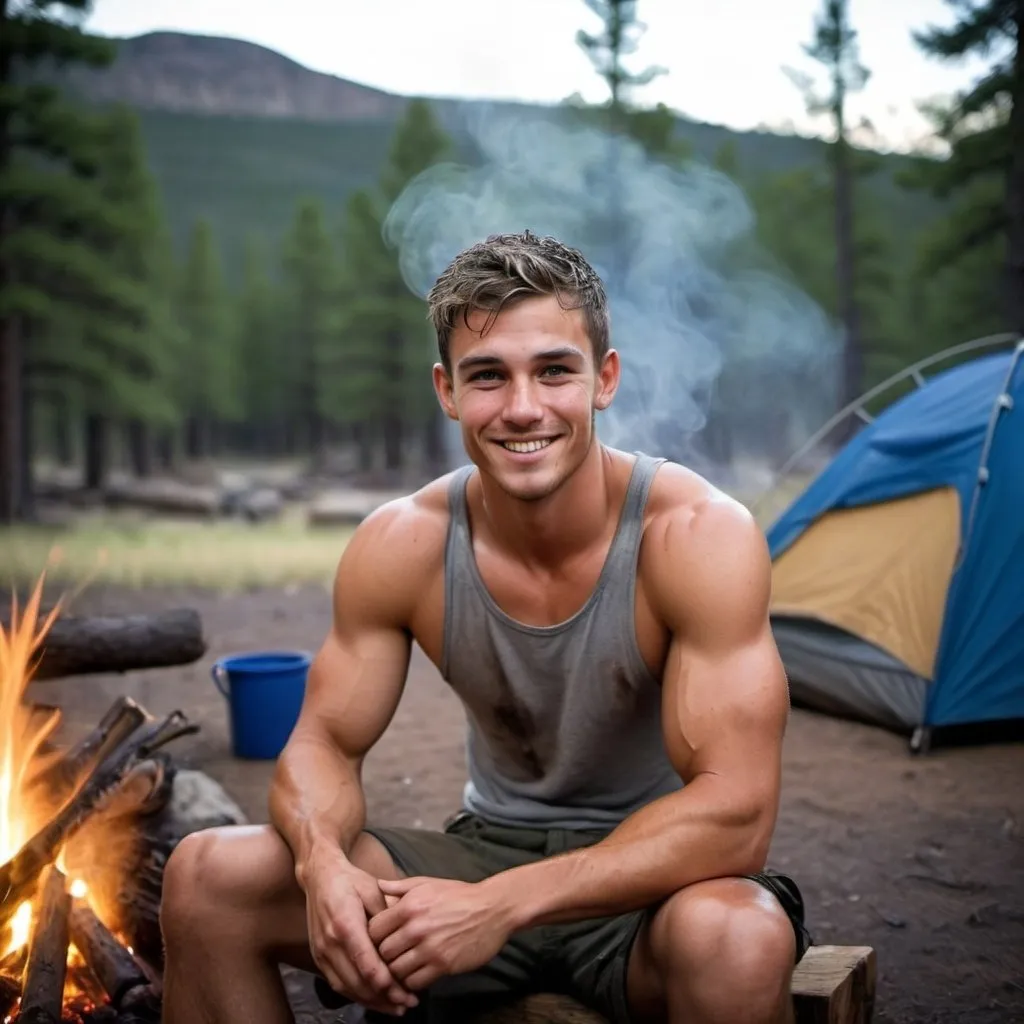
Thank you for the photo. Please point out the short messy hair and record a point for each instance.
(505, 269)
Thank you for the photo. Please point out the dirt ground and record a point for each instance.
(922, 858)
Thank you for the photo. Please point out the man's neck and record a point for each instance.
(545, 532)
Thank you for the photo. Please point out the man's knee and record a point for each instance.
(194, 883)
(730, 928)
(220, 877)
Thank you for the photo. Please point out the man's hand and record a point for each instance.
(438, 927)
(340, 899)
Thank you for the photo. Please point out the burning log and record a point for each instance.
(12, 967)
(80, 646)
(126, 984)
(42, 989)
(19, 877)
(10, 992)
(61, 777)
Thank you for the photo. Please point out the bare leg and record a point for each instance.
(716, 952)
(231, 913)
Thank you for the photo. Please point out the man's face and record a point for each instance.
(525, 394)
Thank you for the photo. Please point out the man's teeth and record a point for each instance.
(526, 446)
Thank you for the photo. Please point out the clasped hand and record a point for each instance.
(434, 927)
(379, 942)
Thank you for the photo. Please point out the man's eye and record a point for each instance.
(485, 375)
(555, 371)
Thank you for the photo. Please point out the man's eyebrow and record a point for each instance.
(469, 362)
(564, 352)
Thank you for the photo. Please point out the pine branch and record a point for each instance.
(980, 28)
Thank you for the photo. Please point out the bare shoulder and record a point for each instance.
(394, 554)
(704, 556)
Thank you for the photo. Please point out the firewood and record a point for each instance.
(57, 780)
(90, 644)
(113, 965)
(42, 988)
(19, 877)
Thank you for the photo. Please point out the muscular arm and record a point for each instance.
(354, 686)
(725, 705)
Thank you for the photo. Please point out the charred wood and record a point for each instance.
(19, 877)
(43, 983)
(59, 779)
(115, 968)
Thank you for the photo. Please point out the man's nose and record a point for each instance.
(523, 407)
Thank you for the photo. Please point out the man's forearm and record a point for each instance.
(675, 841)
(316, 800)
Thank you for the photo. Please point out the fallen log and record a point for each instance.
(42, 989)
(164, 496)
(86, 645)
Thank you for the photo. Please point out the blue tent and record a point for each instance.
(899, 572)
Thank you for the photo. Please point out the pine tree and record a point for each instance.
(208, 378)
(129, 349)
(266, 381)
(387, 344)
(835, 47)
(311, 283)
(984, 127)
(44, 146)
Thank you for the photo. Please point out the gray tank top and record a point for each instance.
(565, 720)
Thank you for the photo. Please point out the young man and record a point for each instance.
(604, 619)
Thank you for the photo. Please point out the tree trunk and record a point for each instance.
(10, 420)
(164, 446)
(26, 459)
(362, 434)
(10, 338)
(196, 437)
(63, 443)
(437, 451)
(392, 431)
(1015, 183)
(95, 452)
(140, 452)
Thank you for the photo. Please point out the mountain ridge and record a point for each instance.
(220, 75)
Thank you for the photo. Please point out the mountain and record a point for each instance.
(237, 133)
(209, 75)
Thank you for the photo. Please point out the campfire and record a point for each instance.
(78, 879)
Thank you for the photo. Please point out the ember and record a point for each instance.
(69, 840)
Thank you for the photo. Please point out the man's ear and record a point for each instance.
(445, 390)
(608, 377)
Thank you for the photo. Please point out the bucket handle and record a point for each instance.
(219, 675)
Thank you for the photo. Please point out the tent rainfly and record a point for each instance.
(898, 575)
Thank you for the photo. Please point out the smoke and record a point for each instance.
(721, 357)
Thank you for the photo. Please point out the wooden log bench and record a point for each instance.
(831, 985)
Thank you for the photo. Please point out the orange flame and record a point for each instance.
(19, 743)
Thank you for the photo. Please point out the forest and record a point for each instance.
(141, 326)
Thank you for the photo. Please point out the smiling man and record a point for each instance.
(604, 619)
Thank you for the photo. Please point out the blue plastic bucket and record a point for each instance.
(264, 690)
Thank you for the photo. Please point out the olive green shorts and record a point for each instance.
(584, 959)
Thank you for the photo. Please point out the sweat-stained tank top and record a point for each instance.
(565, 720)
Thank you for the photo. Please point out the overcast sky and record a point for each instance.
(724, 57)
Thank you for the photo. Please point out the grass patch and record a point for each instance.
(223, 555)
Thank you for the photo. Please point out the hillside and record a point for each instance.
(209, 75)
(238, 133)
